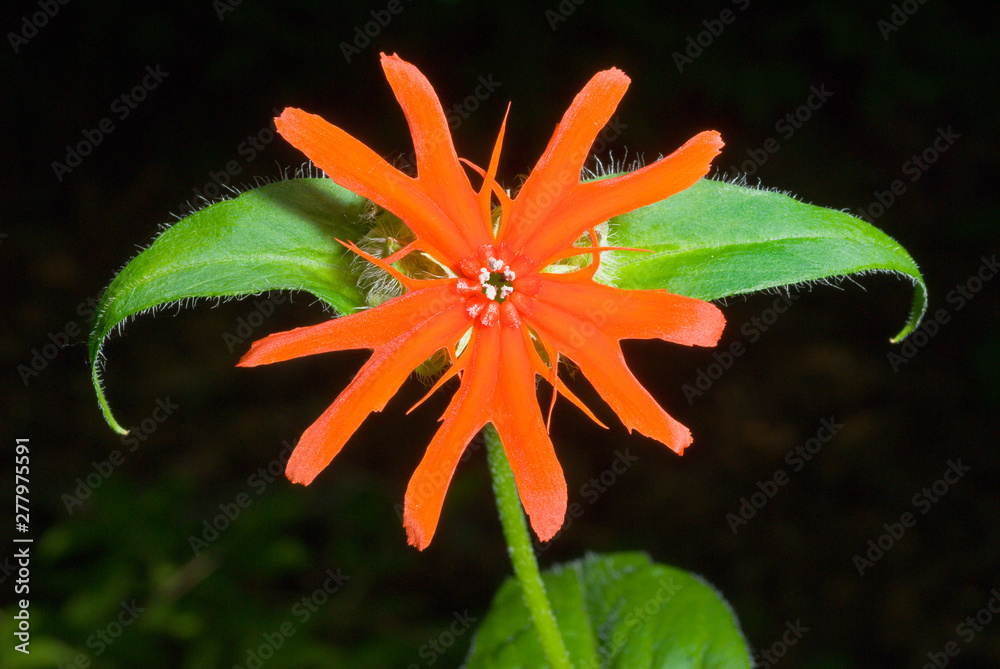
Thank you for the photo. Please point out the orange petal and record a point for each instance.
(457, 366)
(600, 359)
(558, 170)
(438, 170)
(370, 328)
(551, 374)
(467, 413)
(377, 381)
(594, 202)
(357, 168)
(539, 477)
(636, 314)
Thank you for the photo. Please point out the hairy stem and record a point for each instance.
(522, 554)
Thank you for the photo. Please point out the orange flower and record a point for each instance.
(496, 310)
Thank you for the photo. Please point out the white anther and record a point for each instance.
(484, 275)
(494, 264)
(506, 291)
(491, 291)
(508, 273)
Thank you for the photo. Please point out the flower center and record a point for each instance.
(496, 278)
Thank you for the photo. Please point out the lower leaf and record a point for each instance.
(616, 611)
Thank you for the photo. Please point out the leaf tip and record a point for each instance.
(917, 311)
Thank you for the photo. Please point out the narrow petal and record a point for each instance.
(558, 170)
(466, 414)
(489, 179)
(588, 204)
(636, 314)
(600, 359)
(378, 380)
(438, 169)
(357, 168)
(551, 374)
(539, 477)
(370, 328)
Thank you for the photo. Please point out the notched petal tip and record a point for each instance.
(416, 535)
(702, 323)
(612, 75)
(548, 521)
(255, 356)
(711, 325)
(281, 346)
(711, 137)
(247, 360)
(290, 118)
(415, 538)
(394, 63)
(300, 470)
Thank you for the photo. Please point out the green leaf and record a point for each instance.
(717, 239)
(618, 611)
(281, 236)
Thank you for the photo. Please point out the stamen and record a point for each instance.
(490, 282)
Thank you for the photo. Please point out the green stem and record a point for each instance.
(522, 554)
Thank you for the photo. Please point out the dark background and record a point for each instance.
(826, 357)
